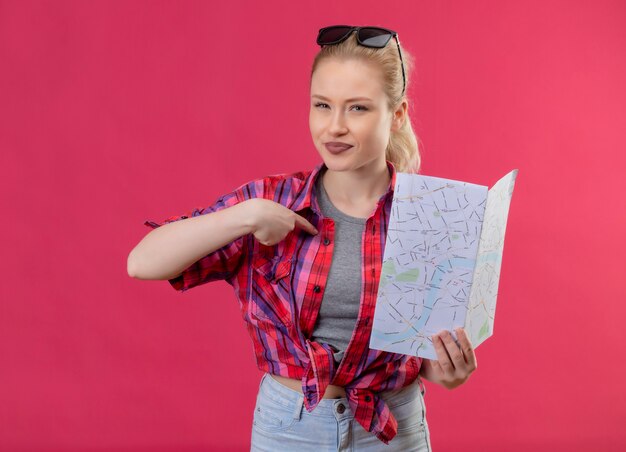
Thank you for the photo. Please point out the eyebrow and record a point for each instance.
(347, 100)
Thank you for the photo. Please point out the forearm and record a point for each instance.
(169, 249)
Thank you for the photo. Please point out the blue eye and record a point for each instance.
(361, 107)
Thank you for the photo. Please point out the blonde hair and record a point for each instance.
(402, 149)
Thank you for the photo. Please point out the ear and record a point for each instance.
(399, 116)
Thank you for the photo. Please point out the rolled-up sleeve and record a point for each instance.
(223, 263)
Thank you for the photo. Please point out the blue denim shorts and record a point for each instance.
(282, 423)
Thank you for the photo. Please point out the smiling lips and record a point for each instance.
(335, 147)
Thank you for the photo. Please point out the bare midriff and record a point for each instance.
(332, 391)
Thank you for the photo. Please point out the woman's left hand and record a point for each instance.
(454, 364)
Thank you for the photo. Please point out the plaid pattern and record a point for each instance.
(280, 288)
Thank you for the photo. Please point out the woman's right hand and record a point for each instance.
(271, 221)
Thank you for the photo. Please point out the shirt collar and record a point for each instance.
(303, 198)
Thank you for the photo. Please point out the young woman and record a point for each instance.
(303, 253)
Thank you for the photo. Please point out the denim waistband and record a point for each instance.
(291, 398)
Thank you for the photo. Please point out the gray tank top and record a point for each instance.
(340, 304)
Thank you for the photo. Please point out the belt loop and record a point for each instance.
(420, 384)
(298, 409)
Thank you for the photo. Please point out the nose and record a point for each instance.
(337, 123)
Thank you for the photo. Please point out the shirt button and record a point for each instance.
(341, 408)
(367, 398)
(316, 289)
(326, 241)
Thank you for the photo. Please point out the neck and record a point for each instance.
(363, 185)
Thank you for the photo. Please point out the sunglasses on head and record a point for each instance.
(376, 37)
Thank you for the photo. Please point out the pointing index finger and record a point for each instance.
(302, 223)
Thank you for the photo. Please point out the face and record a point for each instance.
(336, 116)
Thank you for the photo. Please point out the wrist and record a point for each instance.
(427, 372)
(244, 216)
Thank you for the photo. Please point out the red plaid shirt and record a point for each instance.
(280, 290)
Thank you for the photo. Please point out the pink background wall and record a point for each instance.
(115, 112)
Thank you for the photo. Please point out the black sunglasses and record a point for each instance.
(376, 37)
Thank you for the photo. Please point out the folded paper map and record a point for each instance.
(441, 263)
